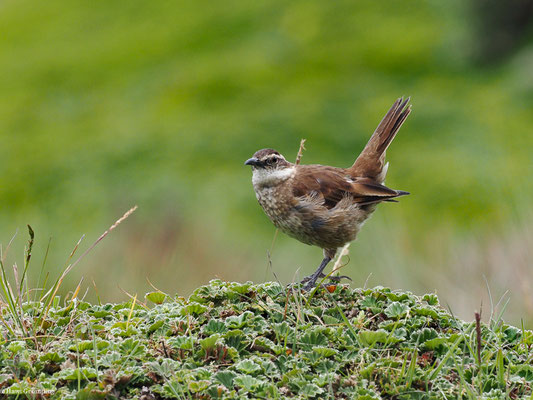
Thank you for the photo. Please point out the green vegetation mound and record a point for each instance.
(233, 341)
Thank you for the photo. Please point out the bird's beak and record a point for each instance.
(252, 161)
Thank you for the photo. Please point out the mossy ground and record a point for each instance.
(231, 340)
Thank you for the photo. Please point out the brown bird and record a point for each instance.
(327, 206)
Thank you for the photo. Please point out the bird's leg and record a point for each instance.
(310, 281)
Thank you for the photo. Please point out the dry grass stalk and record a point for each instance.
(300, 151)
(56, 287)
(338, 263)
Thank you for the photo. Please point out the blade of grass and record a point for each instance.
(131, 311)
(8, 296)
(17, 285)
(6, 324)
(75, 294)
(269, 255)
(490, 298)
(501, 312)
(96, 291)
(102, 236)
(411, 370)
(143, 305)
(27, 257)
(53, 290)
(95, 352)
(3, 254)
(500, 368)
(45, 282)
(42, 269)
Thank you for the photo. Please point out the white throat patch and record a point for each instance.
(265, 177)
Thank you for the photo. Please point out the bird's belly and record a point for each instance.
(311, 222)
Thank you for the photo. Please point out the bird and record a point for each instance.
(322, 205)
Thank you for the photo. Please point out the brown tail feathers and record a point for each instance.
(371, 161)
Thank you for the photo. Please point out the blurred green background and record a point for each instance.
(104, 105)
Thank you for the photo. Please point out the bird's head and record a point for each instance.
(269, 167)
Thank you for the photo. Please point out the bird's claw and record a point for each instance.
(338, 278)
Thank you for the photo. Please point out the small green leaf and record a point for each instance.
(247, 382)
(512, 333)
(311, 390)
(16, 346)
(314, 337)
(215, 326)
(74, 374)
(369, 338)
(432, 344)
(52, 357)
(226, 378)
(431, 299)
(173, 389)
(101, 314)
(236, 339)
(132, 348)
(240, 288)
(81, 345)
(198, 386)
(330, 320)
(369, 302)
(238, 321)
(193, 308)
(426, 311)
(182, 342)
(324, 351)
(396, 310)
(248, 367)
(91, 394)
(423, 335)
(272, 289)
(156, 297)
(155, 326)
(209, 342)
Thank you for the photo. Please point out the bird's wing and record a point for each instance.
(333, 184)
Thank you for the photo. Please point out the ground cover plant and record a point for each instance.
(161, 103)
(242, 340)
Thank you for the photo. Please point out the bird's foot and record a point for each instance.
(336, 278)
(309, 282)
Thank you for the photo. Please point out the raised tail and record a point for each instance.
(371, 161)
